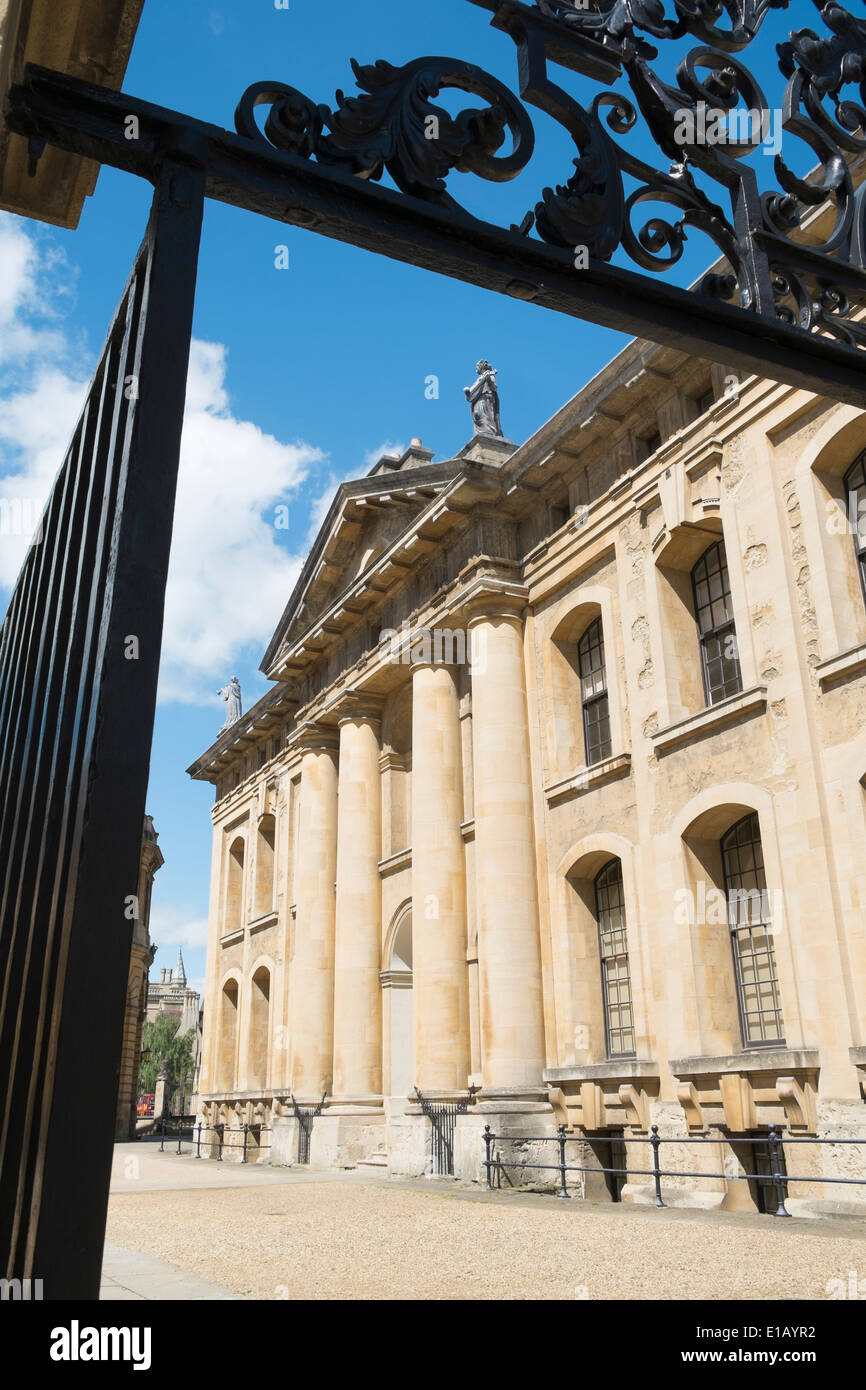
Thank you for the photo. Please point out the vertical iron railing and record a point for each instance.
(305, 1115)
(79, 662)
(443, 1121)
(770, 1175)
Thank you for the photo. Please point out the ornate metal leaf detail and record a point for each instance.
(588, 210)
(395, 125)
(614, 22)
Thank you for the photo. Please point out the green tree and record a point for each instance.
(170, 1048)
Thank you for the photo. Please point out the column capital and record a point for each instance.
(314, 738)
(487, 597)
(356, 705)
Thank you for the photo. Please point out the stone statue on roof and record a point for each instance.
(231, 693)
(483, 398)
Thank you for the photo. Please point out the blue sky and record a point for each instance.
(299, 376)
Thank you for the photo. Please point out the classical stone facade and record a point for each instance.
(140, 960)
(560, 793)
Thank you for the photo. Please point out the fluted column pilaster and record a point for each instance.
(439, 935)
(511, 1009)
(311, 983)
(358, 949)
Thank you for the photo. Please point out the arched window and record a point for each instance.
(228, 1036)
(234, 920)
(613, 953)
(264, 890)
(751, 928)
(593, 692)
(260, 1005)
(715, 618)
(855, 491)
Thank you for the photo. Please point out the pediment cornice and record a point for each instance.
(329, 599)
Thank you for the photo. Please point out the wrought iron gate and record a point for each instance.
(443, 1120)
(305, 1115)
(79, 660)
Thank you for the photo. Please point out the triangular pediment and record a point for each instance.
(365, 519)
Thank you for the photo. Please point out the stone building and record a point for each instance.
(171, 996)
(602, 863)
(140, 961)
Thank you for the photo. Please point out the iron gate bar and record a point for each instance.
(76, 722)
(305, 1115)
(249, 173)
(443, 1120)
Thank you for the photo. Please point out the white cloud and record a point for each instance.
(229, 577)
(44, 388)
(173, 924)
(388, 446)
(231, 571)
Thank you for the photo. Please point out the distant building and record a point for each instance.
(140, 960)
(172, 997)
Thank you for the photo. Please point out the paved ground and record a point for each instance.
(130, 1276)
(279, 1234)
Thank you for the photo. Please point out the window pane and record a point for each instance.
(751, 934)
(593, 681)
(613, 950)
(855, 486)
(714, 615)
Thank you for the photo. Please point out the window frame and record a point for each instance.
(848, 483)
(715, 632)
(736, 929)
(609, 877)
(599, 700)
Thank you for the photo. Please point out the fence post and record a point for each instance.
(657, 1178)
(162, 1136)
(488, 1140)
(220, 1131)
(773, 1142)
(562, 1140)
(179, 1137)
(198, 1140)
(244, 1155)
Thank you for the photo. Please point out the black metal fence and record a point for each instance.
(443, 1119)
(79, 660)
(248, 1138)
(773, 1183)
(305, 1115)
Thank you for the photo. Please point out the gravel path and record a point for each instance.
(350, 1240)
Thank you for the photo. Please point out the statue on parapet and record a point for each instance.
(231, 693)
(483, 398)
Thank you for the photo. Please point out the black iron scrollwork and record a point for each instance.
(395, 126)
(706, 122)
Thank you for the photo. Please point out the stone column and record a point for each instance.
(509, 953)
(358, 950)
(440, 974)
(311, 983)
